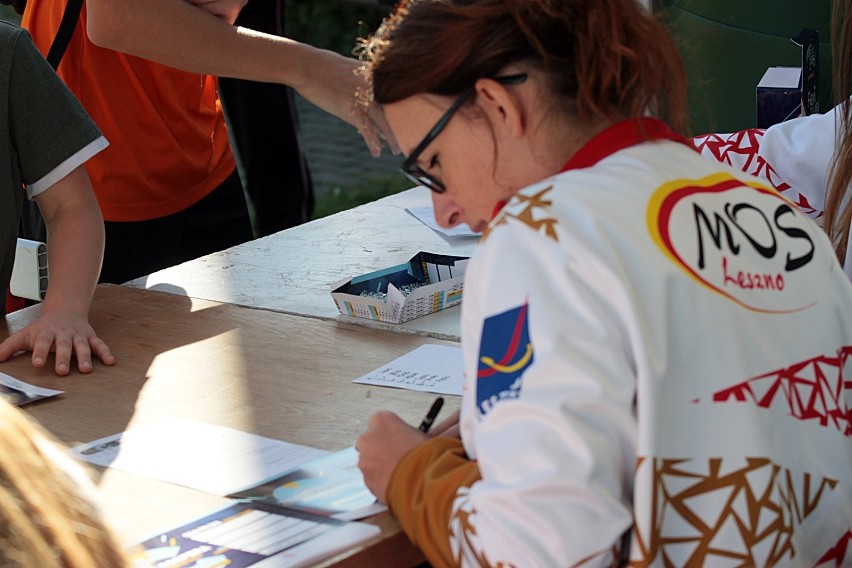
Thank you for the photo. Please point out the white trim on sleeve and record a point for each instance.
(66, 167)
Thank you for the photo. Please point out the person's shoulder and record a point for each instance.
(10, 33)
(13, 41)
(10, 36)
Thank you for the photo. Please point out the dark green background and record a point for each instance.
(727, 45)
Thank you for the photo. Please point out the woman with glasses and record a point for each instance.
(657, 347)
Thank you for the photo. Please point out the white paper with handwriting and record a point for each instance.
(19, 393)
(429, 368)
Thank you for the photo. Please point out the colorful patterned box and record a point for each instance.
(425, 284)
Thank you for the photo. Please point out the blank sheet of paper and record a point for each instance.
(429, 368)
(194, 454)
(426, 215)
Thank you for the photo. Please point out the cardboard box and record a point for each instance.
(425, 284)
(789, 92)
(779, 95)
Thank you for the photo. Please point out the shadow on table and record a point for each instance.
(141, 328)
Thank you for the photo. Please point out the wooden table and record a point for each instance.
(277, 375)
(290, 271)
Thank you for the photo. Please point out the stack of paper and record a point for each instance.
(291, 502)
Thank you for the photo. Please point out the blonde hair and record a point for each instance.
(46, 520)
(838, 204)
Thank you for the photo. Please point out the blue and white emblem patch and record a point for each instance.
(505, 352)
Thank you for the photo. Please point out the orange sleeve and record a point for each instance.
(421, 492)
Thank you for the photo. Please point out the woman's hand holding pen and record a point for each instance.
(387, 439)
(447, 428)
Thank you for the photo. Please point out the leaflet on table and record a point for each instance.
(20, 393)
(429, 368)
(426, 215)
(252, 534)
(202, 456)
(229, 462)
(330, 486)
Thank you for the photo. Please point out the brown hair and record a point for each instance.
(607, 58)
(837, 216)
(45, 518)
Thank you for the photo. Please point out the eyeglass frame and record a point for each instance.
(412, 170)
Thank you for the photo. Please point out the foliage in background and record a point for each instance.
(367, 189)
(337, 25)
(331, 24)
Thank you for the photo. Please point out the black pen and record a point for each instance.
(431, 415)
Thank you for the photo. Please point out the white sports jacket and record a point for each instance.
(793, 156)
(658, 361)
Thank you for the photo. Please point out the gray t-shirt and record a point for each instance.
(42, 129)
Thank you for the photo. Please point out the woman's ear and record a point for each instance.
(502, 105)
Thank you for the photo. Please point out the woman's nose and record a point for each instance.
(447, 213)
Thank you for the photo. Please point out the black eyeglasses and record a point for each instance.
(412, 170)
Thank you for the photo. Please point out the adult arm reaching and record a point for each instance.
(197, 36)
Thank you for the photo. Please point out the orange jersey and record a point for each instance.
(169, 144)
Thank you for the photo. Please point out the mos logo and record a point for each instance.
(740, 239)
